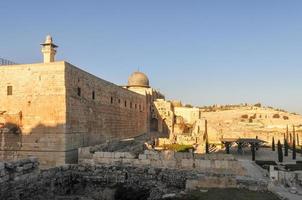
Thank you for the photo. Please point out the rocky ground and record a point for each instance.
(228, 194)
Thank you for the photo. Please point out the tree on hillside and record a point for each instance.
(207, 147)
(253, 151)
(294, 144)
(287, 133)
(276, 116)
(280, 153)
(206, 137)
(273, 144)
(285, 148)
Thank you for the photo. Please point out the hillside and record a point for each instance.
(250, 121)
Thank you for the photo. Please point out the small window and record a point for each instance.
(111, 100)
(79, 91)
(119, 100)
(93, 95)
(130, 104)
(135, 106)
(9, 90)
(125, 103)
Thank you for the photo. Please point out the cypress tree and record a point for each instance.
(207, 147)
(273, 144)
(227, 147)
(294, 144)
(285, 148)
(253, 152)
(280, 153)
(287, 132)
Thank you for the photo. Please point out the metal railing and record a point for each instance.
(6, 62)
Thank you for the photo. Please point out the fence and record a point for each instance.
(6, 62)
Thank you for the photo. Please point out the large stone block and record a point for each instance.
(203, 164)
(119, 155)
(142, 156)
(167, 155)
(187, 163)
(129, 155)
(128, 161)
(99, 154)
(108, 154)
(156, 163)
(169, 163)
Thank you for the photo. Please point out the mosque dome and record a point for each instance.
(138, 79)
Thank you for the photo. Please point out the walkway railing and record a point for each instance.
(6, 62)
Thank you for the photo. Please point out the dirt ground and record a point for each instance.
(230, 194)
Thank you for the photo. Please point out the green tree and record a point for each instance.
(285, 147)
(273, 144)
(294, 144)
(280, 153)
(253, 151)
(207, 147)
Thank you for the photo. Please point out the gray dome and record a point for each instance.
(138, 79)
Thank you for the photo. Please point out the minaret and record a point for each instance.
(49, 50)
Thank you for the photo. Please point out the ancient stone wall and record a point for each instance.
(48, 110)
(162, 111)
(165, 159)
(190, 115)
(32, 101)
(98, 110)
(22, 180)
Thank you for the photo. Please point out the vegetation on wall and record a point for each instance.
(178, 147)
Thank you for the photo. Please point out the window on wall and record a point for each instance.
(119, 100)
(125, 103)
(93, 95)
(79, 91)
(111, 100)
(130, 104)
(135, 106)
(9, 90)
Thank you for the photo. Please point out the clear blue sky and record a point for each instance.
(201, 52)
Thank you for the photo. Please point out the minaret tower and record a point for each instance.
(49, 50)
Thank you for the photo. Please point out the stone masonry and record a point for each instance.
(22, 180)
(57, 108)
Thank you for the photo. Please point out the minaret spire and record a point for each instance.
(49, 50)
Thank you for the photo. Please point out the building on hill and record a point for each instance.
(50, 109)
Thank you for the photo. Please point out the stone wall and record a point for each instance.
(286, 178)
(48, 110)
(36, 109)
(103, 111)
(216, 163)
(190, 115)
(22, 180)
(162, 111)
